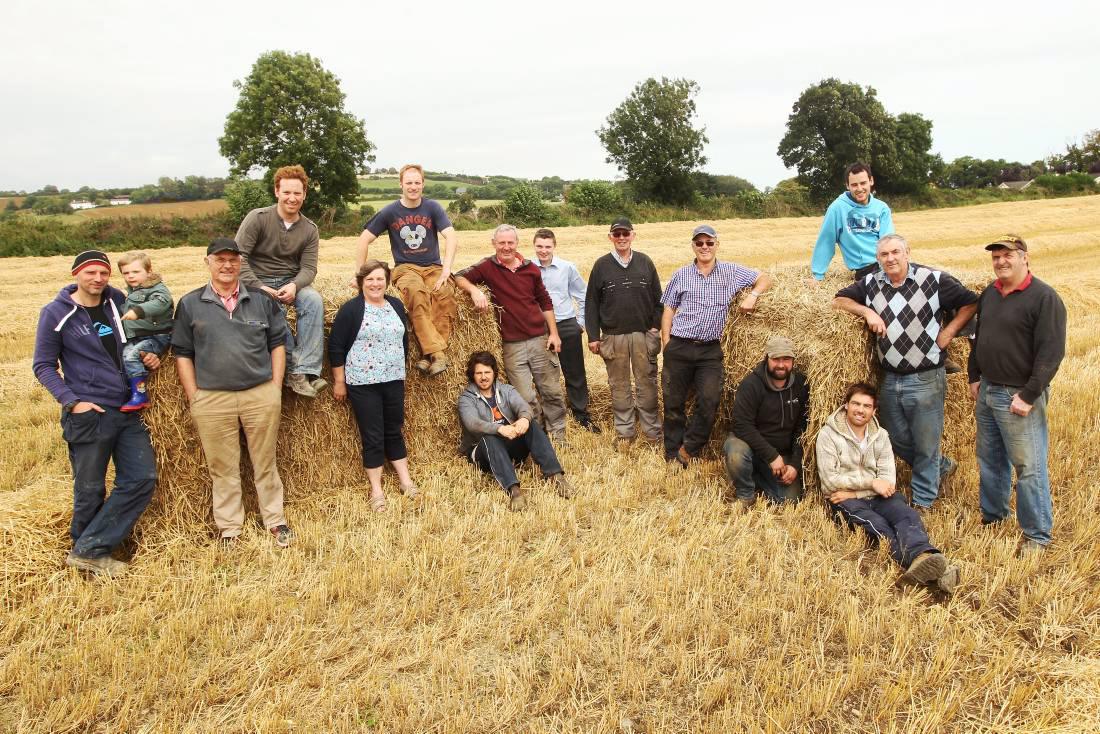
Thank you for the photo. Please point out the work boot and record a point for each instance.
(318, 384)
(947, 581)
(951, 367)
(102, 566)
(586, 423)
(139, 398)
(563, 485)
(423, 364)
(299, 384)
(1029, 547)
(926, 568)
(517, 500)
(439, 364)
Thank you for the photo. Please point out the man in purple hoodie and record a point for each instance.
(81, 331)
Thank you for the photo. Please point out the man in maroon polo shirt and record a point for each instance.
(525, 314)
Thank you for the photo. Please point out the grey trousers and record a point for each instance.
(531, 367)
(626, 354)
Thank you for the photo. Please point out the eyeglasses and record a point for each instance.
(705, 243)
(621, 234)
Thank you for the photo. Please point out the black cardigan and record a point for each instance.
(345, 327)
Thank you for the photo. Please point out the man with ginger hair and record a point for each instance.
(420, 273)
(279, 248)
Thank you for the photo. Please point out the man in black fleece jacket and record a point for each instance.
(1018, 345)
(763, 453)
(623, 317)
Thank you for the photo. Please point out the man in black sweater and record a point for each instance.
(763, 452)
(1019, 343)
(623, 317)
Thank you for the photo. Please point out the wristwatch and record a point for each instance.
(68, 407)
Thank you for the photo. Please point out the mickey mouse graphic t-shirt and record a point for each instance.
(414, 233)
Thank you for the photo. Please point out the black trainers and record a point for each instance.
(587, 424)
(283, 535)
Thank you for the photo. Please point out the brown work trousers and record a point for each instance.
(531, 367)
(218, 416)
(432, 313)
(635, 353)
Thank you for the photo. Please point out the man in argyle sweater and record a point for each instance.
(903, 304)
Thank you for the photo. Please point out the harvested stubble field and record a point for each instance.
(642, 605)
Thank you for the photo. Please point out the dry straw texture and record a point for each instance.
(642, 605)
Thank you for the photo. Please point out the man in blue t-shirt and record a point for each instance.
(415, 225)
(856, 221)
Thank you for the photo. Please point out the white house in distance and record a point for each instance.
(76, 204)
(120, 200)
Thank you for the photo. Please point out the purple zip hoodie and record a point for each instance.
(65, 337)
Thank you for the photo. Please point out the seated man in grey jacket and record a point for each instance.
(856, 466)
(498, 433)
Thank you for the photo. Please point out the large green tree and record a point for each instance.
(834, 123)
(651, 139)
(291, 110)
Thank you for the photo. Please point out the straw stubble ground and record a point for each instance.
(643, 604)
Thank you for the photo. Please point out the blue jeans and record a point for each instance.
(131, 352)
(95, 438)
(304, 348)
(911, 410)
(748, 473)
(889, 519)
(498, 456)
(1005, 442)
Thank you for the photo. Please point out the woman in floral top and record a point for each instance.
(367, 350)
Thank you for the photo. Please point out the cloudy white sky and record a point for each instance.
(119, 93)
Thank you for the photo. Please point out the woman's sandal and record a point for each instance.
(378, 504)
(410, 490)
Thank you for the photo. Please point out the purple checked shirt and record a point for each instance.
(702, 303)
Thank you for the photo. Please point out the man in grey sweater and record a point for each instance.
(229, 343)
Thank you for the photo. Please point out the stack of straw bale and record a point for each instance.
(319, 443)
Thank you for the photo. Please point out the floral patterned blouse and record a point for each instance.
(378, 354)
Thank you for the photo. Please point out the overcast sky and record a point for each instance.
(120, 93)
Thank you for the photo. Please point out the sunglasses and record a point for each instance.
(701, 244)
(621, 233)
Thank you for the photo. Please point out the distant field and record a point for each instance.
(166, 210)
(5, 199)
(379, 203)
(391, 181)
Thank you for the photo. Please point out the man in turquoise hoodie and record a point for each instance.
(856, 221)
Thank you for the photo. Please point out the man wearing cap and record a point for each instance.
(1018, 346)
(81, 332)
(855, 221)
(763, 452)
(623, 317)
(903, 304)
(279, 257)
(696, 304)
(229, 343)
(528, 329)
(567, 290)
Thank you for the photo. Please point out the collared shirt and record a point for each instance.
(1023, 285)
(702, 302)
(911, 312)
(519, 296)
(565, 285)
(230, 301)
(625, 262)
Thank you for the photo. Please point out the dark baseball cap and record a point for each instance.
(704, 229)
(222, 244)
(622, 223)
(1009, 242)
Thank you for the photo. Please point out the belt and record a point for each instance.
(1001, 384)
(700, 342)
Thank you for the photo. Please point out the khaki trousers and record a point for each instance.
(529, 367)
(218, 415)
(635, 353)
(432, 313)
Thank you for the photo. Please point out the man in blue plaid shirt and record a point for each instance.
(697, 302)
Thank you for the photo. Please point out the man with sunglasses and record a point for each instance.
(697, 302)
(623, 318)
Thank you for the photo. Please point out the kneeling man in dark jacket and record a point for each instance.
(763, 452)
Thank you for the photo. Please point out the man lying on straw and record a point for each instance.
(856, 467)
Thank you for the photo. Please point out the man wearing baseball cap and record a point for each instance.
(229, 343)
(696, 305)
(81, 332)
(1018, 345)
(623, 317)
(763, 452)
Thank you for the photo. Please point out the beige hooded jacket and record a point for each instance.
(843, 465)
